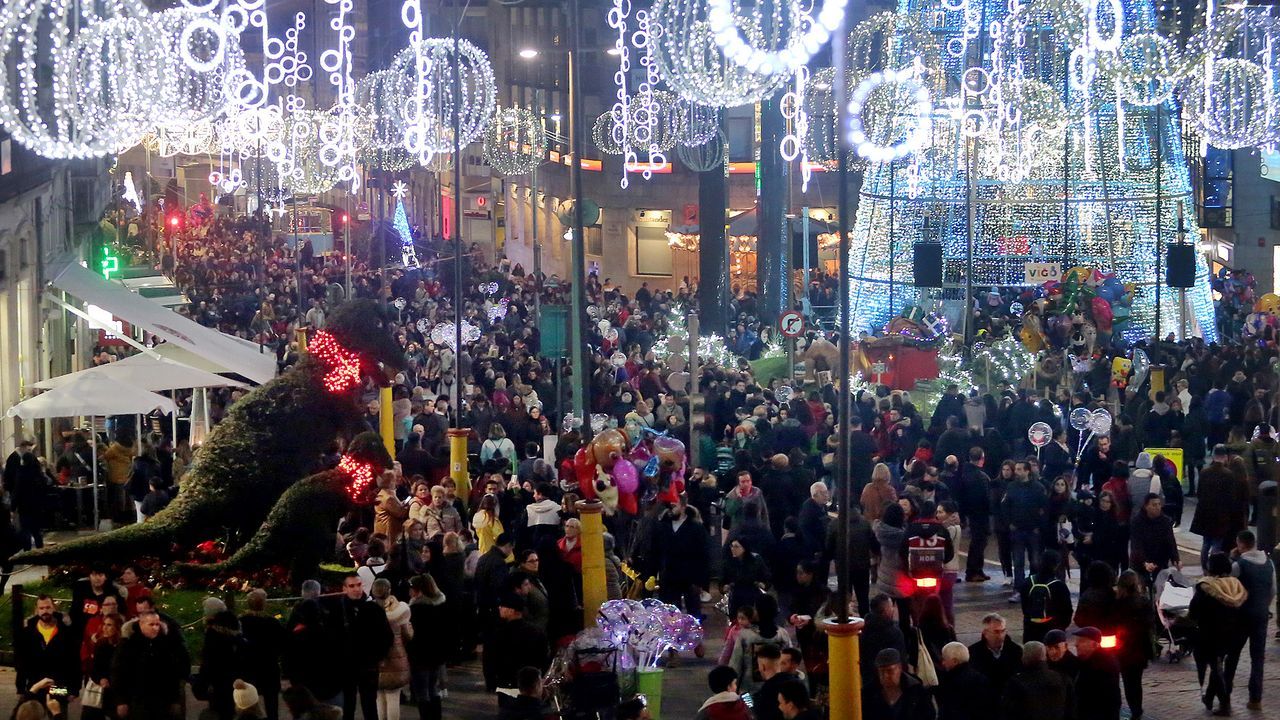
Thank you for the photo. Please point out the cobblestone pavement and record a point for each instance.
(1171, 689)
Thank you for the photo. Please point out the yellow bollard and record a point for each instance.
(594, 590)
(458, 463)
(1157, 381)
(386, 420)
(300, 335)
(845, 668)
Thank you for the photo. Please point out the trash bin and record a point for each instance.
(1268, 494)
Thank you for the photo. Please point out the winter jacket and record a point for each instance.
(1217, 609)
(57, 659)
(1258, 576)
(973, 493)
(1133, 619)
(1138, 487)
(511, 645)
(544, 512)
(1041, 693)
(875, 496)
(222, 660)
(891, 577)
(915, 703)
(1151, 541)
(997, 670)
(264, 643)
(743, 659)
(1098, 687)
(148, 675)
(1223, 503)
(724, 706)
(393, 669)
(963, 694)
(1024, 504)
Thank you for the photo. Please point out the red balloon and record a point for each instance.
(584, 469)
(1102, 316)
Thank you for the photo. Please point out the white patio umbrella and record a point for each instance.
(148, 373)
(92, 394)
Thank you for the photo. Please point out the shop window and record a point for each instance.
(653, 252)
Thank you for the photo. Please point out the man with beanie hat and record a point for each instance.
(247, 702)
(1142, 482)
(513, 643)
(896, 695)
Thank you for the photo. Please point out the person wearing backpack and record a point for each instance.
(498, 451)
(1046, 600)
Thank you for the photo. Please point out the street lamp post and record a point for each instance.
(578, 319)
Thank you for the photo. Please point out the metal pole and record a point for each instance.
(533, 208)
(457, 233)
(844, 495)
(893, 196)
(578, 321)
(382, 220)
(695, 372)
(297, 254)
(346, 243)
(971, 200)
(804, 289)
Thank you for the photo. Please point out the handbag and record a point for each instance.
(925, 670)
(91, 695)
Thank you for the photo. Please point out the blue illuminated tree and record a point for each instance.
(401, 224)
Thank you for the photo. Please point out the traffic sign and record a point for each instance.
(791, 324)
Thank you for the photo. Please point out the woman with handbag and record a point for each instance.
(95, 697)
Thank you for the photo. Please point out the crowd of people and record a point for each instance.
(437, 574)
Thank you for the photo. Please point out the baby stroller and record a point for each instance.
(583, 680)
(1171, 594)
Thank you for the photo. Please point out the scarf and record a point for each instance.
(1227, 590)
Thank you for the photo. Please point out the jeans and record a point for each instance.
(1026, 550)
(30, 530)
(1209, 546)
(1216, 687)
(946, 593)
(424, 683)
(1132, 678)
(1257, 640)
(979, 531)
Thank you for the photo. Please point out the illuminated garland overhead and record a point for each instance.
(515, 142)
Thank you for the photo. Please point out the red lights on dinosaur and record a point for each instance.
(342, 365)
(361, 474)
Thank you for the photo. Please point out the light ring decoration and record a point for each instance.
(379, 93)
(114, 76)
(202, 88)
(694, 67)
(427, 120)
(515, 143)
(720, 17)
(918, 122)
(607, 135)
(32, 32)
(1233, 103)
(705, 157)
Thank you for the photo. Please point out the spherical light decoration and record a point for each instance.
(206, 65)
(607, 134)
(113, 76)
(515, 143)
(656, 121)
(392, 160)
(1143, 68)
(199, 137)
(381, 93)
(694, 66)
(804, 39)
(33, 102)
(1233, 103)
(820, 144)
(889, 41)
(902, 131)
(428, 109)
(705, 157)
(254, 132)
(698, 123)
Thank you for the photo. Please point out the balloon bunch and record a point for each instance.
(1086, 307)
(648, 629)
(1097, 422)
(1238, 288)
(611, 466)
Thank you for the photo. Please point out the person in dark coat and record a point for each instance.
(1098, 681)
(1217, 607)
(680, 558)
(512, 644)
(427, 656)
(1038, 692)
(87, 595)
(491, 577)
(1222, 507)
(306, 662)
(814, 521)
(264, 640)
(361, 637)
(882, 630)
(46, 653)
(28, 489)
(862, 545)
(895, 695)
(963, 693)
(1046, 599)
(221, 663)
(1152, 546)
(995, 655)
(149, 671)
(1059, 655)
(1133, 618)
(974, 497)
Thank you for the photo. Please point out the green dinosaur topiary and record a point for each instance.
(269, 440)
